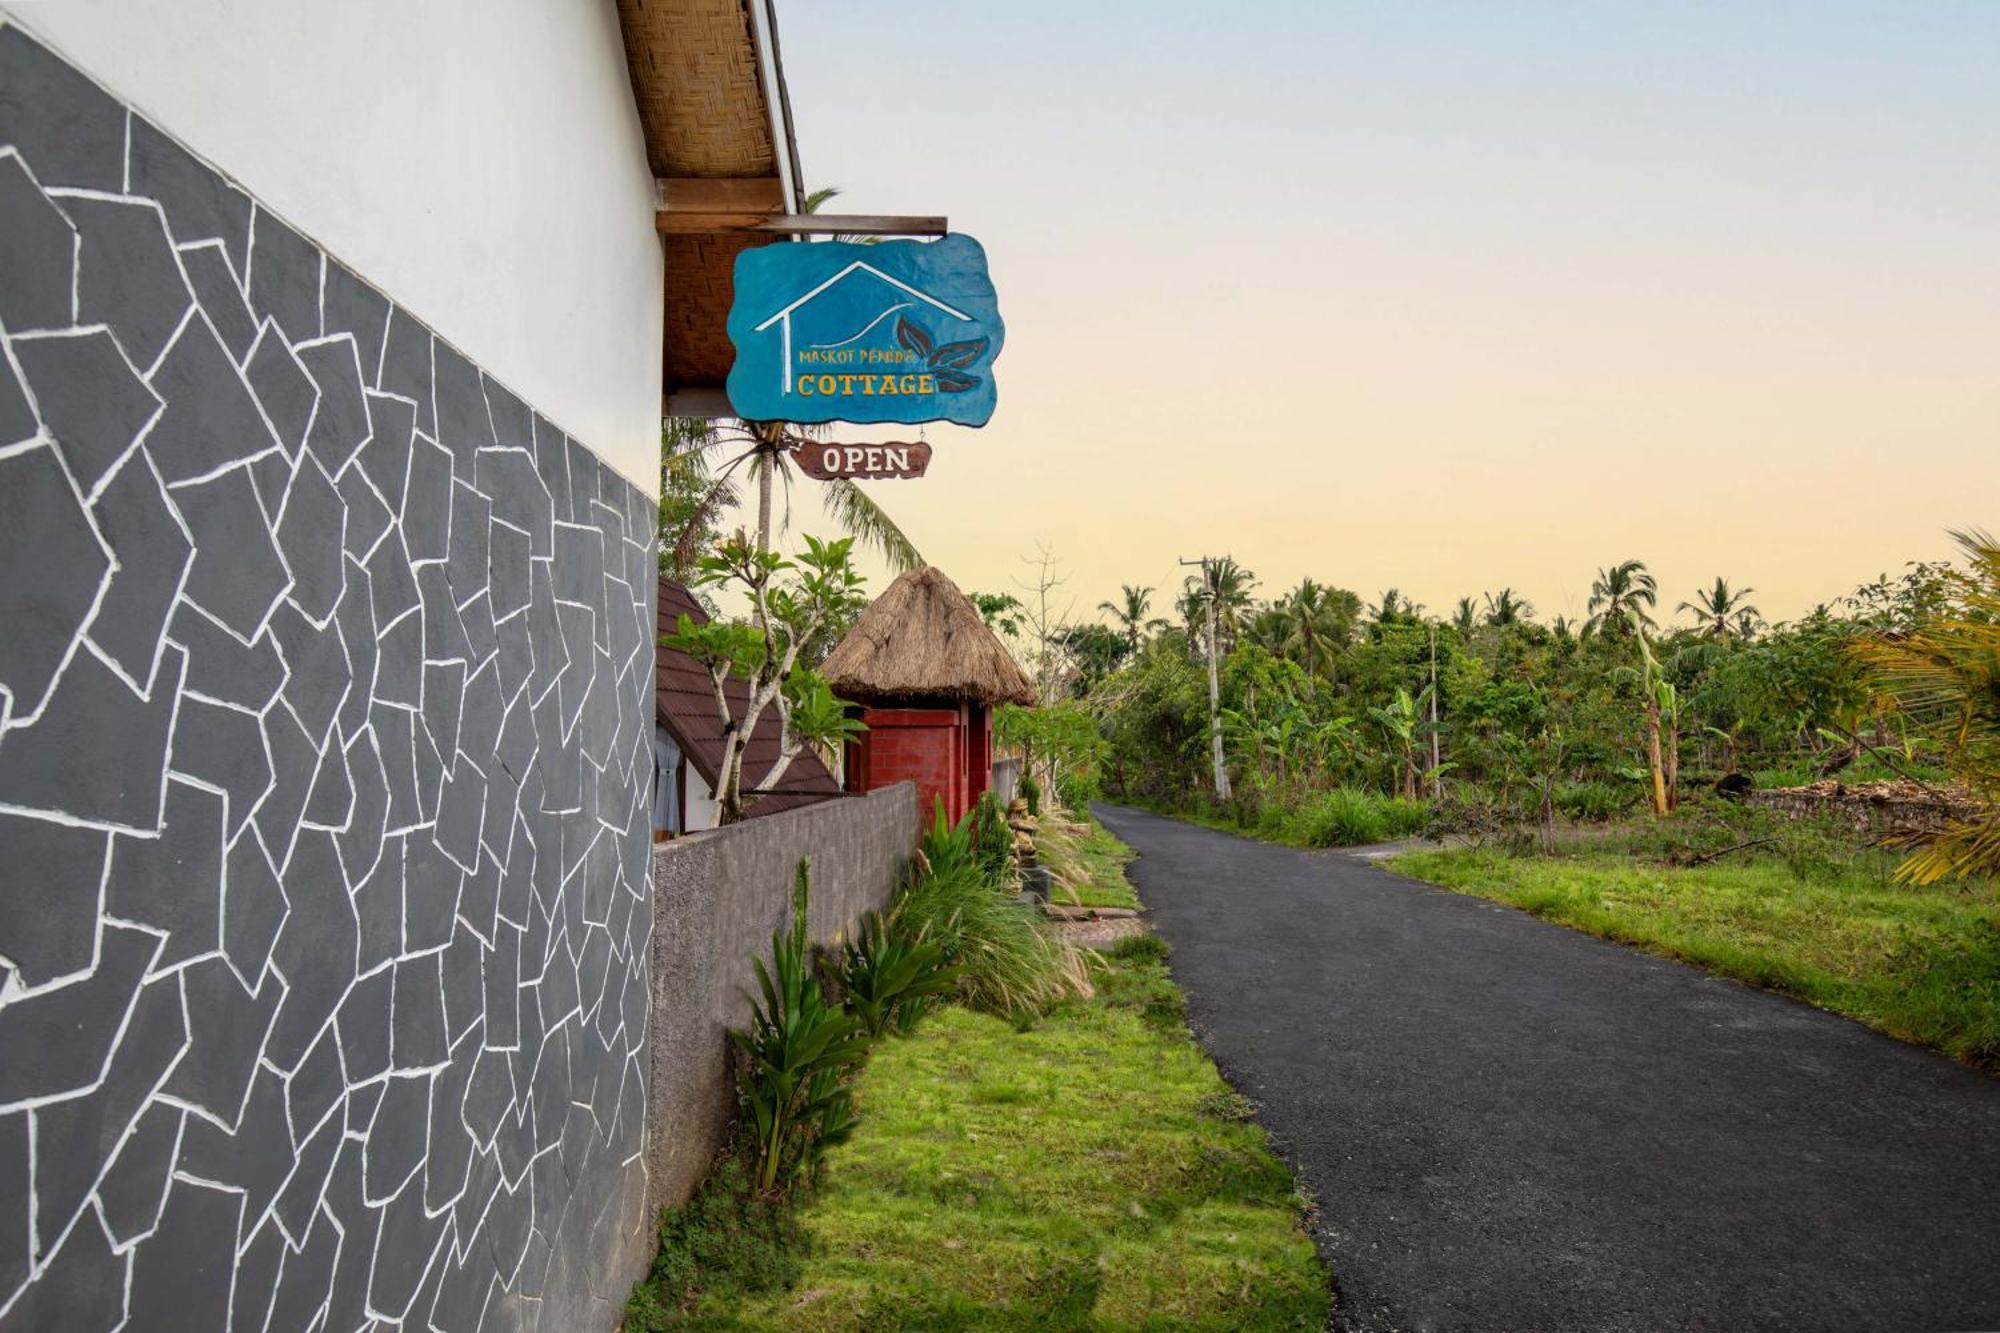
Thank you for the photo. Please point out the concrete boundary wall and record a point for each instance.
(1006, 780)
(717, 897)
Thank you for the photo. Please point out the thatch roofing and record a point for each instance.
(924, 639)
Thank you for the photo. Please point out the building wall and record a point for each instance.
(482, 160)
(325, 709)
(700, 813)
(926, 746)
(718, 898)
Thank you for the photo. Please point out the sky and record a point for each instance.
(1443, 296)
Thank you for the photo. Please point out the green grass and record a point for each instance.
(1090, 1172)
(1919, 964)
(1090, 869)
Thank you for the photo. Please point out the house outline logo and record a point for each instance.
(783, 317)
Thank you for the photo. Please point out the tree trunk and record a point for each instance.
(767, 462)
(1674, 765)
(729, 781)
(1547, 811)
(1653, 756)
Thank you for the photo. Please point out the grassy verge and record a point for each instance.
(1089, 868)
(1919, 964)
(1343, 817)
(1092, 1171)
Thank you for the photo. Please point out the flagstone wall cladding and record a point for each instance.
(325, 745)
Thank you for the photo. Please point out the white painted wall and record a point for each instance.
(480, 161)
(702, 807)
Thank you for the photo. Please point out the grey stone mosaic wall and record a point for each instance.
(325, 694)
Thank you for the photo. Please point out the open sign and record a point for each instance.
(864, 462)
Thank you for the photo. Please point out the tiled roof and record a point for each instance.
(685, 701)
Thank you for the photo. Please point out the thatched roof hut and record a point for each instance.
(923, 639)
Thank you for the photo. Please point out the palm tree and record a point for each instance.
(692, 500)
(1318, 623)
(1943, 676)
(1131, 616)
(1268, 628)
(1722, 612)
(1620, 598)
(718, 452)
(1464, 616)
(1506, 608)
(1394, 609)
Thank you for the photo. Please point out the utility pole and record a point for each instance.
(1436, 782)
(1214, 688)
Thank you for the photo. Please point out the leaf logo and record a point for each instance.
(914, 337)
(949, 361)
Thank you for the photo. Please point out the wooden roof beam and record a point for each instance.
(691, 206)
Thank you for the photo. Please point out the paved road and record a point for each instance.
(1512, 1126)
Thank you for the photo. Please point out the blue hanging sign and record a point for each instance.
(902, 331)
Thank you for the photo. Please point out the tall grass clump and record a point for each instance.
(1007, 963)
(1351, 817)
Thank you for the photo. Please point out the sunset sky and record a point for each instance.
(1444, 296)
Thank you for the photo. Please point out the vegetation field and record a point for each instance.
(1922, 964)
(1090, 1170)
(1341, 817)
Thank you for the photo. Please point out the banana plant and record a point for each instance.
(1401, 722)
(1663, 718)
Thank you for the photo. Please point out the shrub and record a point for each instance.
(992, 840)
(1077, 790)
(1030, 791)
(1350, 817)
(1006, 963)
(888, 975)
(799, 1050)
(1594, 802)
(947, 848)
(726, 1238)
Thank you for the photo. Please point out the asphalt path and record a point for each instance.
(1508, 1125)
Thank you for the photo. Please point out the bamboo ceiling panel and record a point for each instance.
(695, 78)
